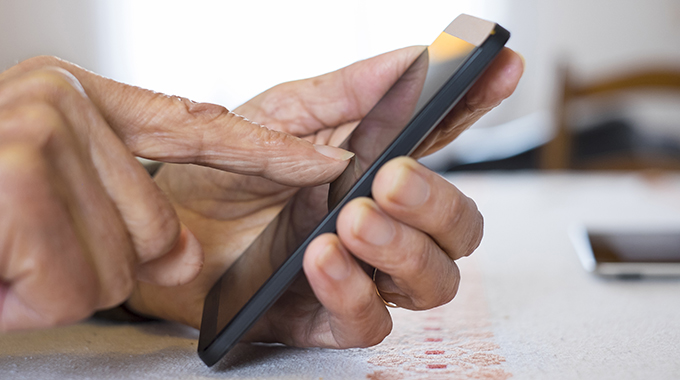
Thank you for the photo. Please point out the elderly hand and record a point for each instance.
(412, 230)
(81, 221)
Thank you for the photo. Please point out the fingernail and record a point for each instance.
(409, 188)
(333, 152)
(372, 227)
(334, 263)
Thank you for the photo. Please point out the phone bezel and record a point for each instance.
(405, 143)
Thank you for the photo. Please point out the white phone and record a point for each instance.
(628, 252)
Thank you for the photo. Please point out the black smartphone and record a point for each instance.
(628, 252)
(394, 127)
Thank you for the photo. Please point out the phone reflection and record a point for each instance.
(381, 126)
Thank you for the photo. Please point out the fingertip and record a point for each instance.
(498, 82)
(178, 266)
(357, 316)
(351, 215)
(393, 166)
(402, 182)
(331, 271)
(326, 260)
(515, 64)
(524, 60)
(289, 160)
(322, 164)
(335, 153)
(506, 71)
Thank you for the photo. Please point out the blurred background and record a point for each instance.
(600, 90)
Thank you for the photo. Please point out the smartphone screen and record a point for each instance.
(660, 247)
(394, 127)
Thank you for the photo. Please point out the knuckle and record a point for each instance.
(41, 61)
(190, 112)
(15, 160)
(478, 233)
(72, 312)
(153, 232)
(474, 231)
(22, 168)
(38, 124)
(454, 285)
(69, 292)
(78, 303)
(76, 311)
(118, 290)
(377, 334)
(437, 281)
(54, 82)
(49, 83)
(446, 294)
(445, 291)
(202, 111)
(82, 302)
(115, 270)
(414, 261)
(360, 307)
(452, 209)
(450, 287)
(459, 213)
(34, 63)
(263, 138)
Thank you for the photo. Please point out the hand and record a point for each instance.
(412, 230)
(81, 220)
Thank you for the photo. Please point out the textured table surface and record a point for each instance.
(526, 308)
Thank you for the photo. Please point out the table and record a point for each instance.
(525, 309)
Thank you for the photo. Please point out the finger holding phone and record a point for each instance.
(247, 175)
(230, 211)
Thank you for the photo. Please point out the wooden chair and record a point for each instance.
(559, 152)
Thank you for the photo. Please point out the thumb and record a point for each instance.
(173, 129)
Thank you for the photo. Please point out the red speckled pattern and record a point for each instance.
(454, 341)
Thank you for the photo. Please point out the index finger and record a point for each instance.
(175, 129)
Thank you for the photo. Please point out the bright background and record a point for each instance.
(228, 51)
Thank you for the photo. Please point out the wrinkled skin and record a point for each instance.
(417, 268)
(84, 228)
(81, 220)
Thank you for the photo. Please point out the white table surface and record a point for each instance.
(526, 308)
(551, 318)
